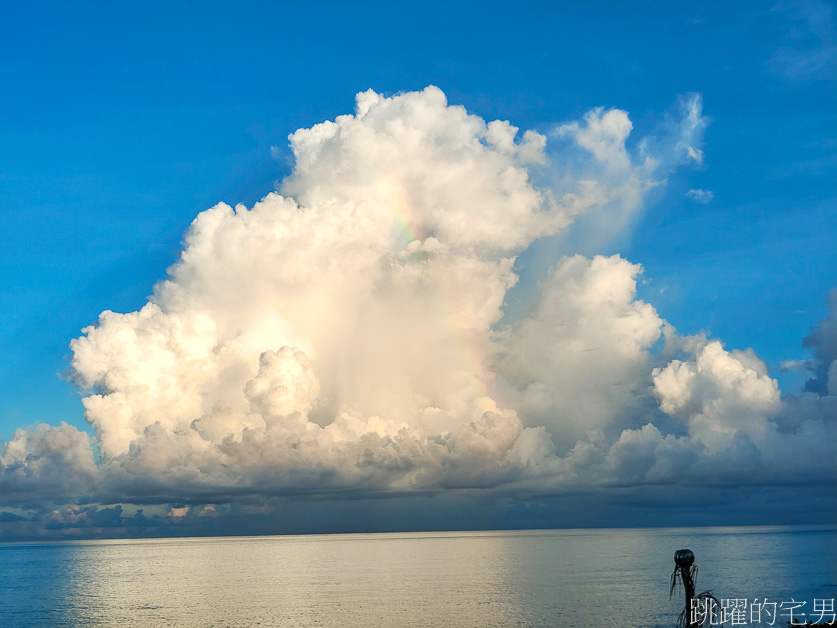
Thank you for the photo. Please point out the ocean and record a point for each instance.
(614, 577)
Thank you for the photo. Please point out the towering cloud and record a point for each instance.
(580, 360)
(823, 342)
(346, 335)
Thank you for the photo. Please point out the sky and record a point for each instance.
(270, 268)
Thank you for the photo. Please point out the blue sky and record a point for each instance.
(121, 122)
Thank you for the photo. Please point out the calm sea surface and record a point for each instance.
(531, 578)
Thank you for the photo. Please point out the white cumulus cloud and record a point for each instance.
(346, 334)
(701, 196)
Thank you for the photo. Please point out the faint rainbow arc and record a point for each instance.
(471, 354)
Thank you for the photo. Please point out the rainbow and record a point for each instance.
(470, 351)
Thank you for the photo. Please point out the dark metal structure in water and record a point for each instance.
(697, 609)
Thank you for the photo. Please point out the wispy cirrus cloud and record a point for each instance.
(811, 49)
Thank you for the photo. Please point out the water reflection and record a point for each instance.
(347, 580)
(542, 578)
